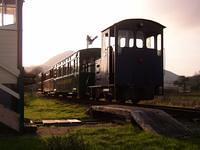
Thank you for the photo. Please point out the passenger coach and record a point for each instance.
(72, 75)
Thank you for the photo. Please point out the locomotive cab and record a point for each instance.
(132, 60)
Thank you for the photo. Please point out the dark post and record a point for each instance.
(19, 4)
(162, 49)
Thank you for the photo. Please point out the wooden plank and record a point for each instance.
(151, 120)
(61, 122)
(159, 122)
(9, 118)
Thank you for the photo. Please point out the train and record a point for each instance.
(128, 66)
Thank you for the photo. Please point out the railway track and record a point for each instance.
(177, 112)
(187, 116)
(180, 112)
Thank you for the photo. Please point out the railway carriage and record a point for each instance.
(47, 85)
(72, 75)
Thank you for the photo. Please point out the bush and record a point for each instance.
(70, 142)
(28, 97)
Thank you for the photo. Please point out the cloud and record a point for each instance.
(184, 13)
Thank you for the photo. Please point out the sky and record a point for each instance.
(52, 27)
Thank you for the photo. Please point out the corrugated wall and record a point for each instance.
(8, 56)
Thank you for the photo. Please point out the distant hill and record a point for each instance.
(169, 77)
(49, 63)
(55, 59)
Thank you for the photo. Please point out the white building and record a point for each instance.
(11, 70)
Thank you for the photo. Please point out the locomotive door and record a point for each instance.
(107, 57)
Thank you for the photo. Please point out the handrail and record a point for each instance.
(9, 118)
(8, 70)
(9, 91)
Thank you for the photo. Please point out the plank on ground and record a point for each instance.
(152, 120)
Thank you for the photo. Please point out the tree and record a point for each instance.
(182, 82)
(195, 82)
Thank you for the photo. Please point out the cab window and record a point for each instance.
(139, 39)
(150, 42)
(122, 42)
(125, 38)
(159, 44)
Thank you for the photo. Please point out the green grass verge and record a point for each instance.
(103, 137)
(188, 101)
(21, 143)
(38, 108)
(98, 137)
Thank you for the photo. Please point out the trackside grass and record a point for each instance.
(38, 108)
(188, 100)
(104, 136)
(101, 137)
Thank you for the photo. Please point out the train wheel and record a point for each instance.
(108, 97)
(122, 101)
(135, 101)
(74, 96)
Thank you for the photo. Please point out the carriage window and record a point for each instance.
(64, 70)
(70, 68)
(1, 19)
(59, 71)
(67, 70)
(78, 64)
(55, 72)
(131, 42)
(140, 39)
(74, 65)
(51, 73)
(122, 42)
(150, 42)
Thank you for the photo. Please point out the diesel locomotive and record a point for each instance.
(129, 65)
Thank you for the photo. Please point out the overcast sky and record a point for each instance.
(51, 27)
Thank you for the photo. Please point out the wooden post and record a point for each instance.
(20, 64)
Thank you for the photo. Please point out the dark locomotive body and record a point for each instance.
(131, 65)
(128, 66)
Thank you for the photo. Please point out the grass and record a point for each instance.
(21, 143)
(95, 137)
(38, 108)
(102, 137)
(129, 137)
(190, 100)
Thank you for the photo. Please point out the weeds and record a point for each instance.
(71, 142)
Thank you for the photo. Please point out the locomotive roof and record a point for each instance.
(147, 25)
